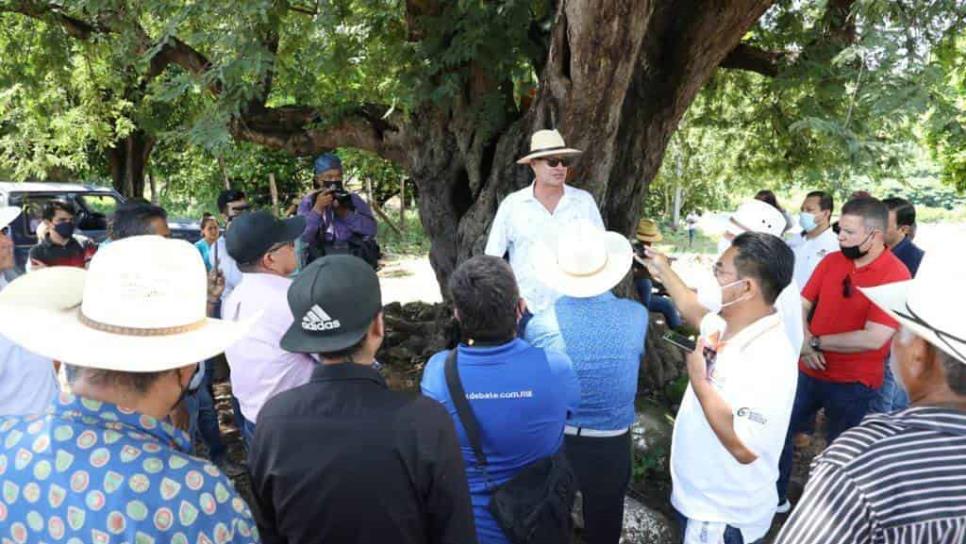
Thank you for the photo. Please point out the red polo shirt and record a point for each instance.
(835, 313)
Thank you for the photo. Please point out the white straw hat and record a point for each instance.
(756, 216)
(931, 305)
(139, 308)
(581, 259)
(7, 215)
(547, 143)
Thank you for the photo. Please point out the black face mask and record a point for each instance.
(853, 252)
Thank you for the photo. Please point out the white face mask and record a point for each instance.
(710, 295)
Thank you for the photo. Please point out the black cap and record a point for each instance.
(251, 235)
(333, 301)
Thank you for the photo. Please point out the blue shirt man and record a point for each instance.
(604, 338)
(520, 395)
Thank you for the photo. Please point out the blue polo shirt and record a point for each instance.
(604, 337)
(521, 397)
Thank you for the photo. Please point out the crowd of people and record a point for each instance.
(531, 407)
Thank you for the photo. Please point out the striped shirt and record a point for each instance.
(894, 479)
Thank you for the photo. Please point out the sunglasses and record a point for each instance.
(847, 287)
(557, 161)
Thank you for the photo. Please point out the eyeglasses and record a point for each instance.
(557, 161)
(946, 337)
(847, 287)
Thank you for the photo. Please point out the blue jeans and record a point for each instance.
(891, 398)
(203, 417)
(657, 303)
(845, 405)
(732, 535)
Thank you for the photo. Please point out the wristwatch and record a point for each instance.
(815, 343)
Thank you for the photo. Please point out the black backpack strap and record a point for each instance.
(463, 409)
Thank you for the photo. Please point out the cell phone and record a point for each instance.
(681, 341)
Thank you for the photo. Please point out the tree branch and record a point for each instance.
(292, 129)
(75, 27)
(753, 59)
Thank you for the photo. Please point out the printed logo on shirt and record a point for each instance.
(752, 415)
(317, 320)
(525, 394)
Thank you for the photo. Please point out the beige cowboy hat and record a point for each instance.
(648, 231)
(140, 307)
(755, 216)
(547, 143)
(7, 215)
(931, 304)
(581, 259)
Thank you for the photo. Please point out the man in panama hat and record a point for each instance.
(901, 477)
(102, 461)
(546, 204)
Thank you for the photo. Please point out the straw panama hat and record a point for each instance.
(140, 307)
(648, 231)
(7, 215)
(547, 143)
(756, 216)
(931, 304)
(581, 259)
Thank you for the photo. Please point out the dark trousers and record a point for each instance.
(603, 469)
(845, 405)
(204, 418)
(247, 432)
(732, 535)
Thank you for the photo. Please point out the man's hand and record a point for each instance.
(323, 200)
(657, 263)
(813, 359)
(697, 366)
(216, 285)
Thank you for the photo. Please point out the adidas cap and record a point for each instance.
(333, 301)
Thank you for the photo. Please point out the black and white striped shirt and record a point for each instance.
(894, 479)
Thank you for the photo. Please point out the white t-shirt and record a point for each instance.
(808, 253)
(521, 222)
(27, 381)
(756, 374)
(789, 306)
(227, 266)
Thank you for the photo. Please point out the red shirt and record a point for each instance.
(835, 313)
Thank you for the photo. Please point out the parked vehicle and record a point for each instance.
(95, 205)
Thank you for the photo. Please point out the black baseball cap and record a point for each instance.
(333, 301)
(251, 235)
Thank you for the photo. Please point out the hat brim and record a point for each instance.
(294, 227)
(59, 335)
(526, 159)
(7, 215)
(296, 340)
(892, 298)
(619, 256)
(650, 238)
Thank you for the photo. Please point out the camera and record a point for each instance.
(343, 197)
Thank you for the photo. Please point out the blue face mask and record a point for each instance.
(807, 221)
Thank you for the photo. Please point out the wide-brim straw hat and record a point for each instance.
(139, 308)
(930, 305)
(581, 259)
(7, 215)
(648, 231)
(547, 143)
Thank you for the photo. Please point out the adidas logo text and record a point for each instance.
(317, 320)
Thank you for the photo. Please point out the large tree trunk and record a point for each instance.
(128, 160)
(620, 75)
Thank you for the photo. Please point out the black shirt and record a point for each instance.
(51, 254)
(342, 459)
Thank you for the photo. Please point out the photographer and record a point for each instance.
(337, 221)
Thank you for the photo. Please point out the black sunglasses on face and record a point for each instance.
(557, 161)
